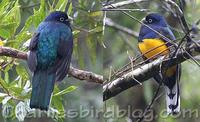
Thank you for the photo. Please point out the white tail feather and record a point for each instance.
(173, 99)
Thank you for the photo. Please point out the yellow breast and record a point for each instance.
(152, 47)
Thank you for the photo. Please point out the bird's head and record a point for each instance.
(58, 16)
(156, 22)
(155, 19)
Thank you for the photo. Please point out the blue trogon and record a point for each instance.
(49, 57)
(147, 42)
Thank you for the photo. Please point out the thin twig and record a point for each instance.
(145, 61)
(110, 23)
(122, 3)
(182, 20)
(124, 9)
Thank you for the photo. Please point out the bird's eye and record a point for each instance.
(150, 20)
(62, 19)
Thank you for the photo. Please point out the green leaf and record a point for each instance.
(65, 91)
(10, 19)
(22, 72)
(53, 113)
(3, 83)
(21, 37)
(3, 4)
(16, 90)
(6, 78)
(39, 15)
(96, 14)
(5, 30)
(61, 4)
(35, 20)
(70, 9)
(57, 101)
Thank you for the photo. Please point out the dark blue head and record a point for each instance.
(58, 16)
(156, 22)
(155, 19)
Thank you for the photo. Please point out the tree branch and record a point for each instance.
(85, 75)
(76, 73)
(146, 71)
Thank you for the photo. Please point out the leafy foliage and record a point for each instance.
(10, 18)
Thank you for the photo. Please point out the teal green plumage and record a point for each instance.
(49, 57)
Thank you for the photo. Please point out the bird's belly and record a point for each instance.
(152, 47)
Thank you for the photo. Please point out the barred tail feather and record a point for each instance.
(173, 99)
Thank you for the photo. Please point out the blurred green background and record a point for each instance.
(118, 43)
(20, 18)
(18, 21)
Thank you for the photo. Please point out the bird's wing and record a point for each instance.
(32, 58)
(65, 49)
(166, 31)
(34, 41)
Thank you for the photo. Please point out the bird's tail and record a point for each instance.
(42, 88)
(173, 99)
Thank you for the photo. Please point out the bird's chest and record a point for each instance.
(152, 47)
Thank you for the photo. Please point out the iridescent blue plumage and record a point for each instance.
(49, 58)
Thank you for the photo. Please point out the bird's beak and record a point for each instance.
(144, 20)
(70, 19)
